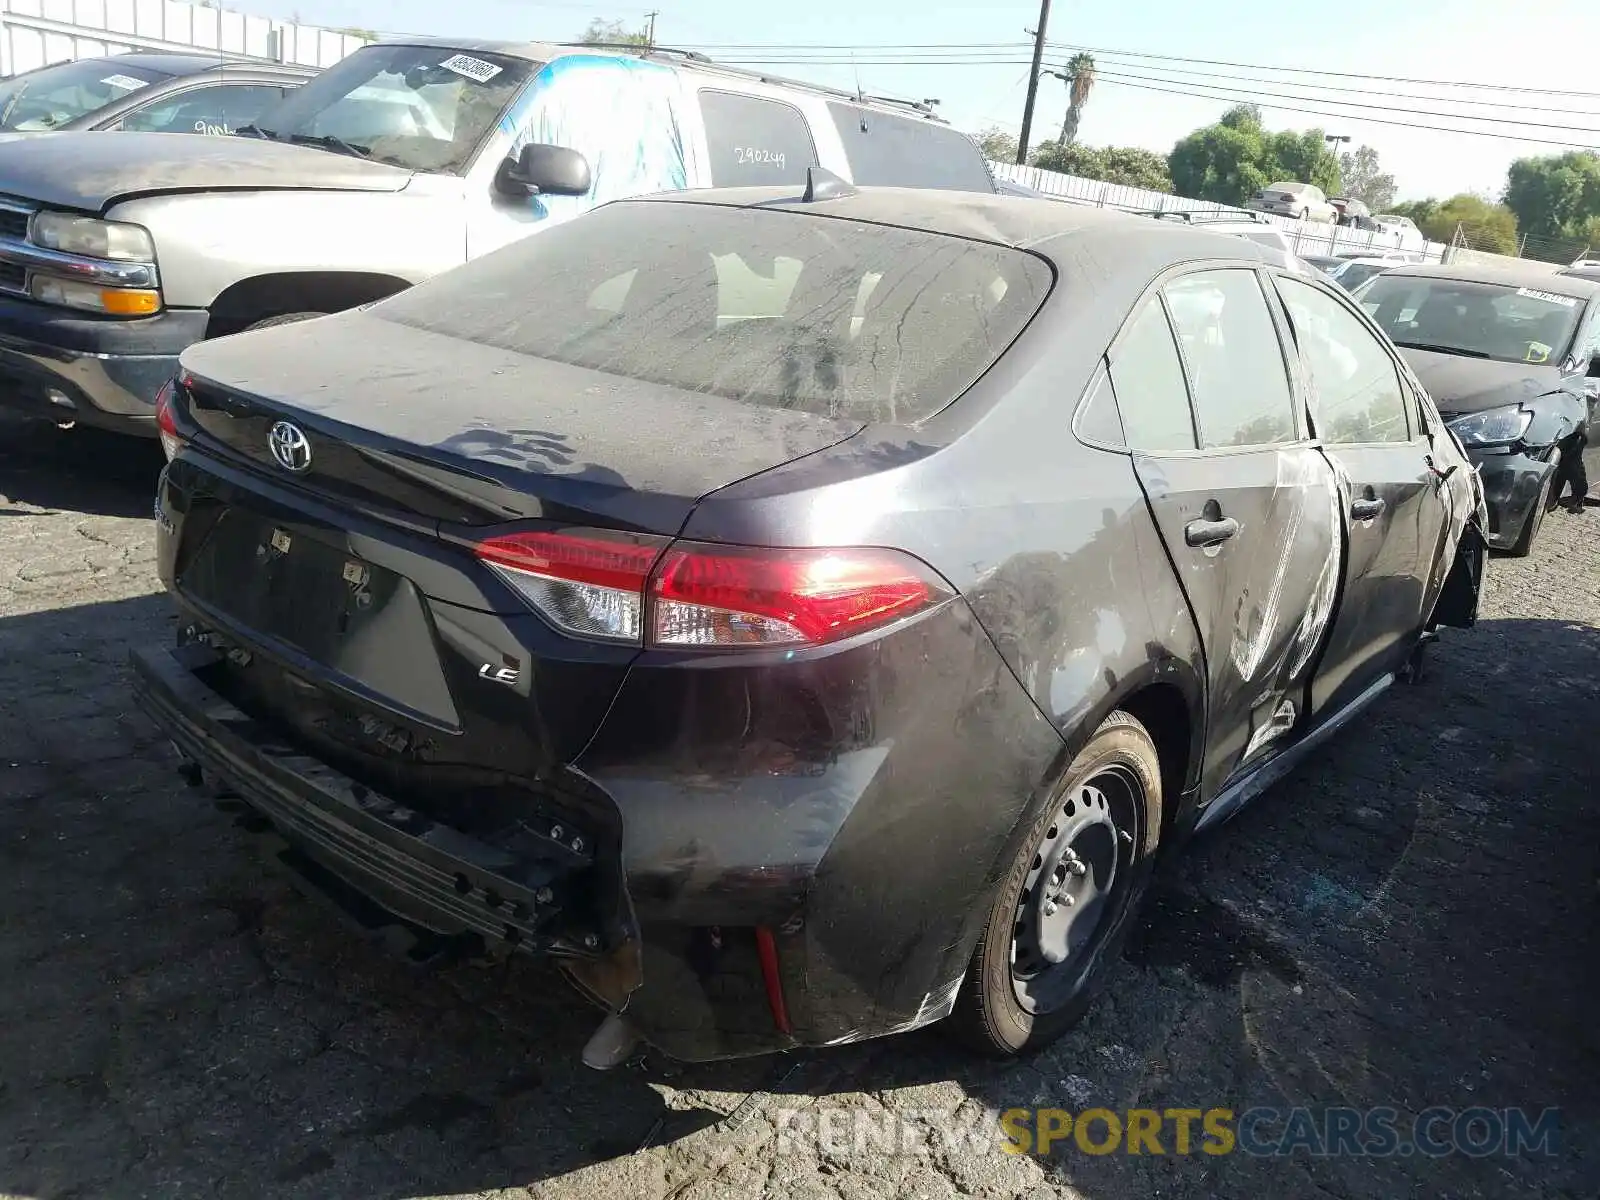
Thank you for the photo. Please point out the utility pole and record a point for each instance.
(650, 31)
(1033, 83)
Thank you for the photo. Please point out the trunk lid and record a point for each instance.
(410, 421)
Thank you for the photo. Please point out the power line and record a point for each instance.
(900, 53)
(1224, 75)
(1208, 62)
(1252, 94)
(1362, 91)
(1420, 112)
(1509, 137)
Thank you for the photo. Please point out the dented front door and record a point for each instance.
(1393, 505)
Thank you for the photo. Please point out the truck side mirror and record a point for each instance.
(541, 170)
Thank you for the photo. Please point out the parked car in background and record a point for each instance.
(1239, 224)
(632, 629)
(147, 91)
(1326, 263)
(1401, 225)
(1299, 200)
(1007, 187)
(1371, 255)
(402, 160)
(1511, 355)
(1357, 269)
(1585, 264)
(1351, 211)
(1582, 272)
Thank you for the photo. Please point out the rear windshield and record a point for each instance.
(51, 97)
(1479, 320)
(891, 151)
(771, 308)
(1270, 238)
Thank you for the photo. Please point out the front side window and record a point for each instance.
(755, 142)
(52, 96)
(1471, 318)
(1356, 388)
(419, 107)
(1147, 377)
(1235, 362)
(886, 150)
(215, 109)
(773, 309)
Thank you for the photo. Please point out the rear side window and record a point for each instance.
(1148, 380)
(1357, 396)
(770, 308)
(755, 142)
(1237, 375)
(892, 151)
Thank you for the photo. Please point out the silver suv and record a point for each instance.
(401, 161)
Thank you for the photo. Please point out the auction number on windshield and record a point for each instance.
(751, 155)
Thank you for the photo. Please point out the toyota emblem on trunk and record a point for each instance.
(289, 446)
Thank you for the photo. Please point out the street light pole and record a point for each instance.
(1033, 83)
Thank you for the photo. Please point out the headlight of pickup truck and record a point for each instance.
(1492, 426)
(92, 237)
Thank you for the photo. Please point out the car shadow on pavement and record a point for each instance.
(1408, 920)
(75, 470)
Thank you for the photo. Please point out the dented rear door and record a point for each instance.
(1245, 503)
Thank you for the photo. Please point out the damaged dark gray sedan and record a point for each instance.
(802, 617)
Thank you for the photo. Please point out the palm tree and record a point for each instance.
(1079, 76)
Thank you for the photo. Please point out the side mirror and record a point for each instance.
(541, 170)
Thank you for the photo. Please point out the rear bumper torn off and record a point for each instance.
(425, 873)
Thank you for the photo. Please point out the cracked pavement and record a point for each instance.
(1409, 920)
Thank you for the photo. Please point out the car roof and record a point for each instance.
(178, 63)
(543, 52)
(1507, 275)
(1054, 230)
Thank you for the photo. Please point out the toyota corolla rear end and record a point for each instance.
(445, 623)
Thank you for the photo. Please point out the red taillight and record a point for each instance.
(167, 421)
(704, 595)
(620, 588)
(589, 584)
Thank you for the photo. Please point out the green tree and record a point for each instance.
(1554, 197)
(997, 145)
(1130, 165)
(1485, 224)
(615, 33)
(1363, 180)
(1080, 82)
(1232, 160)
(1070, 158)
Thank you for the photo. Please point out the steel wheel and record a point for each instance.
(1070, 887)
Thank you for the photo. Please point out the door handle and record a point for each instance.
(1365, 510)
(1210, 533)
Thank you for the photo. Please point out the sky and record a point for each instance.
(1535, 44)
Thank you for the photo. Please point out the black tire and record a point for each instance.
(990, 1016)
(1523, 546)
(281, 319)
